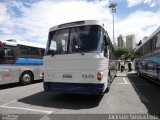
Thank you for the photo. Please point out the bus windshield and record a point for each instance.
(1, 50)
(75, 39)
(6, 54)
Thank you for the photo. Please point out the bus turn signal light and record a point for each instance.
(99, 75)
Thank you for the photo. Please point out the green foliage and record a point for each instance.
(124, 53)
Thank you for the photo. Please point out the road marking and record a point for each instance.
(130, 84)
(29, 109)
(121, 83)
(125, 81)
(9, 103)
(21, 108)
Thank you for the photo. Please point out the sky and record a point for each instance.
(30, 20)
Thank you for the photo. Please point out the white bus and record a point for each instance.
(20, 63)
(79, 58)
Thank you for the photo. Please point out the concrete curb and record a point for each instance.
(124, 74)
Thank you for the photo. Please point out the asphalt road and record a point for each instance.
(128, 95)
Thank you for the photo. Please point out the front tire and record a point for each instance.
(26, 78)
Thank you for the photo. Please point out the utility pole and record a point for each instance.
(113, 8)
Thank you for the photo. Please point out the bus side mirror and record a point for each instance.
(105, 41)
(106, 51)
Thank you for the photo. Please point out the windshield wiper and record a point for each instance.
(58, 51)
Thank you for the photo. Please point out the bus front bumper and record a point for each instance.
(74, 88)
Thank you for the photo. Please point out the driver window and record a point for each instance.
(60, 40)
(75, 42)
(53, 45)
(8, 54)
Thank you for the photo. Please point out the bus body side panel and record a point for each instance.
(75, 69)
(30, 64)
(4, 75)
(36, 70)
(113, 68)
(112, 65)
(11, 73)
(150, 65)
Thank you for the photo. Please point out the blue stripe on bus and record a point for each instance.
(29, 61)
(25, 62)
(20, 64)
(153, 59)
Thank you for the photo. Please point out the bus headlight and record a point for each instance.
(90, 76)
(49, 75)
(84, 76)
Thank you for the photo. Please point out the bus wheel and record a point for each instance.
(26, 78)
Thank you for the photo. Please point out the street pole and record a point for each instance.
(113, 28)
(112, 6)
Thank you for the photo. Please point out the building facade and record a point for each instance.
(120, 41)
(130, 41)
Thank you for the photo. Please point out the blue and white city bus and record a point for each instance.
(79, 58)
(20, 63)
(147, 55)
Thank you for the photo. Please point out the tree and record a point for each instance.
(124, 53)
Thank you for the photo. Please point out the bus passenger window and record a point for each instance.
(2, 53)
(105, 41)
(158, 40)
(105, 51)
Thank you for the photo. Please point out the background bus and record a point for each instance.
(20, 63)
(79, 58)
(147, 62)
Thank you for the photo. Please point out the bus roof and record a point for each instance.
(13, 42)
(76, 23)
(154, 33)
(10, 42)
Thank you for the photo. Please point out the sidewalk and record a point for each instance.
(125, 73)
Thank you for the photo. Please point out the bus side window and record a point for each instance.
(41, 52)
(9, 54)
(2, 53)
(105, 46)
(157, 40)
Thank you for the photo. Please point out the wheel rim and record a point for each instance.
(26, 78)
